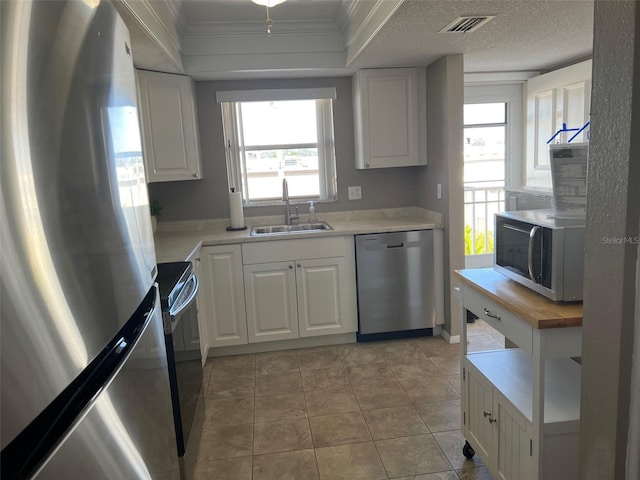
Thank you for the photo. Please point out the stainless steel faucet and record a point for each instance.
(288, 218)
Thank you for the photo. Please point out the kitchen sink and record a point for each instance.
(289, 229)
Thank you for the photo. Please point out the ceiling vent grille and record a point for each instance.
(467, 24)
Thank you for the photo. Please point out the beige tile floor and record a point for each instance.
(383, 410)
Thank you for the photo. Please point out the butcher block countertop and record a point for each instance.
(531, 307)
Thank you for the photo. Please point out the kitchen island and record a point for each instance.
(521, 406)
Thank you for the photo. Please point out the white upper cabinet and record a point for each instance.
(553, 99)
(390, 117)
(169, 127)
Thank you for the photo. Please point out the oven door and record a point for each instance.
(524, 252)
(185, 363)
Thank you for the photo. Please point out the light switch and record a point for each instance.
(355, 193)
(439, 191)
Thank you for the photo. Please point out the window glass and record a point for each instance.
(277, 123)
(483, 113)
(485, 152)
(269, 141)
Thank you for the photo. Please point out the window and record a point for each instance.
(274, 134)
(493, 160)
(485, 132)
(485, 151)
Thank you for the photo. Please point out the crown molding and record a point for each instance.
(380, 11)
(165, 36)
(237, 29)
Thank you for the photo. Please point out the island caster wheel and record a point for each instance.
(467, 450)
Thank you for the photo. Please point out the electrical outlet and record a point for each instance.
(355, 193)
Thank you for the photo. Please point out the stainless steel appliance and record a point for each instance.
(396, 284)
(85, 388)
(178, 289)
(541, 252)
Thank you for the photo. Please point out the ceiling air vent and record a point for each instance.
(467, 24)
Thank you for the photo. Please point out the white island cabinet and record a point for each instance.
(169, 127)
(521, 406)
(299, 288)
(390, 117)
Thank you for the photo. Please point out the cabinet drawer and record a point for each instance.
(285, 250)
(507, 324)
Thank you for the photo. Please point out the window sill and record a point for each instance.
(280, 203)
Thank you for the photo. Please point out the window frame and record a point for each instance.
(235, 149)
(511, 93)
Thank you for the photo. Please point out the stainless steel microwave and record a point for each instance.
(541, 252)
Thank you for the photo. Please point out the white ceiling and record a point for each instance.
(218, 39)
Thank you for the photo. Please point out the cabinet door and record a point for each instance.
(270, 292)
(169, 127)
(478, 402)
(514, 460)
(196, 259)
(561, 96)
(387, 118)
(222, 295)
(324, 303)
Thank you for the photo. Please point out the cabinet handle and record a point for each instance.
(290, 267)
(488, 313)
(198, 259)
(366, 165)
(195, 175)
(491, 419)
(299, 265)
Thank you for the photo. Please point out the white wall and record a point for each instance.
(613, 211)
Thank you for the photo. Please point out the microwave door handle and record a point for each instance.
(516, 229)
(532, 237)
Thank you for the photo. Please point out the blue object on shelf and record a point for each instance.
(580, 131)
(565, 129)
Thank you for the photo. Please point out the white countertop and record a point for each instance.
(175, 241)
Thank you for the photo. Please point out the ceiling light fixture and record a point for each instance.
(269, 4)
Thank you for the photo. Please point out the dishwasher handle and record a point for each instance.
(374, 244)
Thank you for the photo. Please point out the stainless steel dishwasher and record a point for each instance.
(396, 277)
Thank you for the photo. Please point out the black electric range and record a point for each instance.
(178, 286)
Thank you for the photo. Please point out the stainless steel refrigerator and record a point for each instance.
(84, 385)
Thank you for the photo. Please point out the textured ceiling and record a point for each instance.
(525, 35)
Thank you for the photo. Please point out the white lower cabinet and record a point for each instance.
(480, 401)
(277, 290)
(221, 295)
(270, 291)
(322, 307)
(309, 291)
(501, 436)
